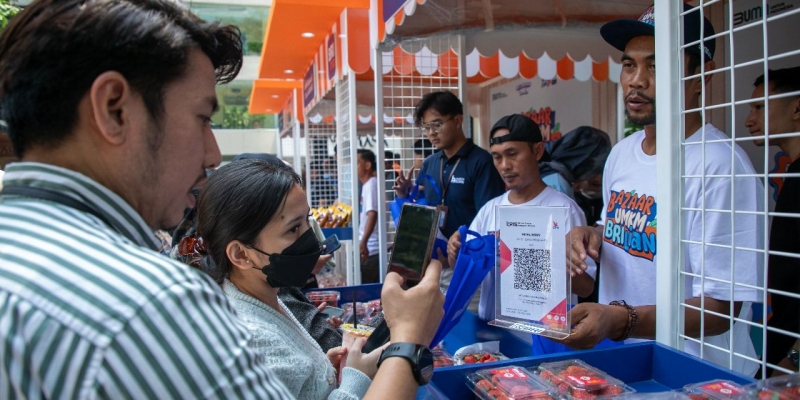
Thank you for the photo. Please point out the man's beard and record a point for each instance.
(648, 119)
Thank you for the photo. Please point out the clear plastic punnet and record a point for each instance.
(511, 382)
(714, 390)
(531, 278)
(578, 380)
(784, 387)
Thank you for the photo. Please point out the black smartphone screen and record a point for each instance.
(412, 243)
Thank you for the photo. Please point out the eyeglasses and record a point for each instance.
(435, 126)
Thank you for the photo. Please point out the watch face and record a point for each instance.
(425, 364)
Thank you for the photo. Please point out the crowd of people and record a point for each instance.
(108, 106)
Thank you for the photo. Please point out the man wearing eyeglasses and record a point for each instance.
(463, 171)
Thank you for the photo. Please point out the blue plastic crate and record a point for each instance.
(367, 292)
(647, 367)
(344, 233)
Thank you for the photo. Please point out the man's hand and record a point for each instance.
(413, 315)
(453, 246)
(364, 252)
(402, 183)
(585, 241)
(594, 322)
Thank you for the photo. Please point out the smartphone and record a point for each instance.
(331, 244)
(331, 312)
(413, 243)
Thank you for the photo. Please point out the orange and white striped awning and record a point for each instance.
(481, 68)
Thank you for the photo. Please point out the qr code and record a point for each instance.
(532, 270)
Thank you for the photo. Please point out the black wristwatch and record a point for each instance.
(793, 358)
(419, 356)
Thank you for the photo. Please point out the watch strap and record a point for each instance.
(418, 356)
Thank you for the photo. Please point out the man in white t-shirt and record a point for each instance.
(366, 168)
(516, 148)
(629, 232)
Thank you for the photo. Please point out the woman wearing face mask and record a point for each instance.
(253, 218)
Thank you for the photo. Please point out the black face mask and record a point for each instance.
(294, 265)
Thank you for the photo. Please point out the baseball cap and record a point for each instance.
(520, 129)
(618, 33)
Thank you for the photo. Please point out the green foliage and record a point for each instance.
(631, 128)
(7, 10)
(237, 117)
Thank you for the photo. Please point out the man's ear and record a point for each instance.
(458, 119)
(240, 255)
(538, 150)
(111, 101)
(710, 66)
(795, 110)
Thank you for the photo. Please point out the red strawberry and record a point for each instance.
(578, 370)
(470, 359)
(484, 384)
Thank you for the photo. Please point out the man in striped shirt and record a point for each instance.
(108, 104)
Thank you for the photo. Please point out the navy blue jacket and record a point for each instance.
(474, 182)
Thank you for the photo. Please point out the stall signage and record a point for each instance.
(331, 56)
(309, 87)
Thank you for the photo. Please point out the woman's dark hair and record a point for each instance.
(52, 51)
(238, 201)
(445, 103)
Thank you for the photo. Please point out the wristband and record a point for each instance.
(633, 318)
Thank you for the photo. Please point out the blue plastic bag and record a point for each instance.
(413, 196)
(475, 259)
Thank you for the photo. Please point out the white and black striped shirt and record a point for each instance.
(89, 310)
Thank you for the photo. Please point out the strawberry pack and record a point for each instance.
(578, 380)
(509, 383)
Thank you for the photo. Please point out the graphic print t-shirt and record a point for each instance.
(630, 231)
(630, 224)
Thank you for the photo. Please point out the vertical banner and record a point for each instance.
(331, 53)
(309, 86)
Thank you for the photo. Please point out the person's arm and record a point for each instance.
(369, 226)
(188, 337)
(594, 322)
(413, 316)
(785, 363)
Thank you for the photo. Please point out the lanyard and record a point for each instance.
(446, 184)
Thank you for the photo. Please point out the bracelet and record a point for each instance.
(633, 318)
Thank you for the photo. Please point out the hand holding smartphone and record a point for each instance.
(331, 244)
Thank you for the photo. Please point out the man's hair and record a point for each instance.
(784, 80)
(368, 156)
(51, 53)
(445, 103)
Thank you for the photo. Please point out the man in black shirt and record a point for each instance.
(784, 271)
